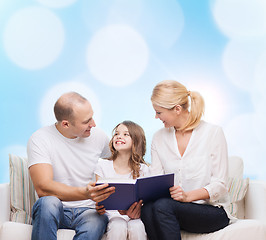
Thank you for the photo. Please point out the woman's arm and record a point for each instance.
(219, 166)
(178, 194)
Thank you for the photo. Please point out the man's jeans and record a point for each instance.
(49, 215)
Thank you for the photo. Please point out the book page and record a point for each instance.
(116, 180)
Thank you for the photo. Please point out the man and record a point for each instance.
(62, 158)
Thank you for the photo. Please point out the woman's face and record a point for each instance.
(167, 116)
(122, 140)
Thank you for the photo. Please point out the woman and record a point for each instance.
(196, 152)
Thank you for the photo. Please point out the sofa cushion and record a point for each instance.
(236, 167)
(237, 188)
(19, 231)
(22, 193)
(240, 230)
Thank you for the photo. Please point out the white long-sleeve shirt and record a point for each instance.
(204, 163)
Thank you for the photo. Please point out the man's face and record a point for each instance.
(82, 122)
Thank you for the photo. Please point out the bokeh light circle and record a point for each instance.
(33, 37)
(57, 3)
(47, 103)
(117, 55)
(241, 18)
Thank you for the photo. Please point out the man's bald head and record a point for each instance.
(64, 106)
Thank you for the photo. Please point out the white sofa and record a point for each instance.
(252, 208)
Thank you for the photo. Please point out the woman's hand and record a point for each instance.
(178, 194)
(134, 211)
(100, 209)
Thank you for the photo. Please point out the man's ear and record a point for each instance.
(65, 124)
(177, 109)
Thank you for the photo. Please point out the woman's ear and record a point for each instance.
(178, 109)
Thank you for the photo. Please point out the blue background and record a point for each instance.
(115, 51)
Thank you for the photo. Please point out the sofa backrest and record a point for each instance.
(236, 167)
(23, 194)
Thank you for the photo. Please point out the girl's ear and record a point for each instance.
(177, 109)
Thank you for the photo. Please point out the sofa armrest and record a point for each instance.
(255, 201)
(4, 202)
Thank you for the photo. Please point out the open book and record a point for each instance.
(128, 191)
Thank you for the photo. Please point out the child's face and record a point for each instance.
(122, 140)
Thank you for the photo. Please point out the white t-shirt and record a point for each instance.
(105, 169)
(73, 160)
(204, 164)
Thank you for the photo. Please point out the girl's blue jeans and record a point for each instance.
(49, 215)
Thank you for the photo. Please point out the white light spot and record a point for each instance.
(117, 55)
(100, 13)
(57, 3)
(161, 23)
(240, 59)
(217, 105)
(33, 38)
(243, 141)
(47, 105)
(260, 75)
(241, 18)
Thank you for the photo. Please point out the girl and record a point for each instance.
(128, 147)
(196, 151)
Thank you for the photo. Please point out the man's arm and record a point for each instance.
(42, 178)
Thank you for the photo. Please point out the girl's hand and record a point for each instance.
(178, 194)
(134, 211)
(100, 209)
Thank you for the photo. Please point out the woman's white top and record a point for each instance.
(204, 163)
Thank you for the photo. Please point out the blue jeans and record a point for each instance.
(165, 218)
(48, 216)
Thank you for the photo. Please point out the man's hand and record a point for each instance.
(134, 211)
(100, 209)
(100, 192)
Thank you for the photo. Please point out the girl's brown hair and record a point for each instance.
(138, 146)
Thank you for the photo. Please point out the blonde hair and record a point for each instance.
(169, 93)
(138, 146)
